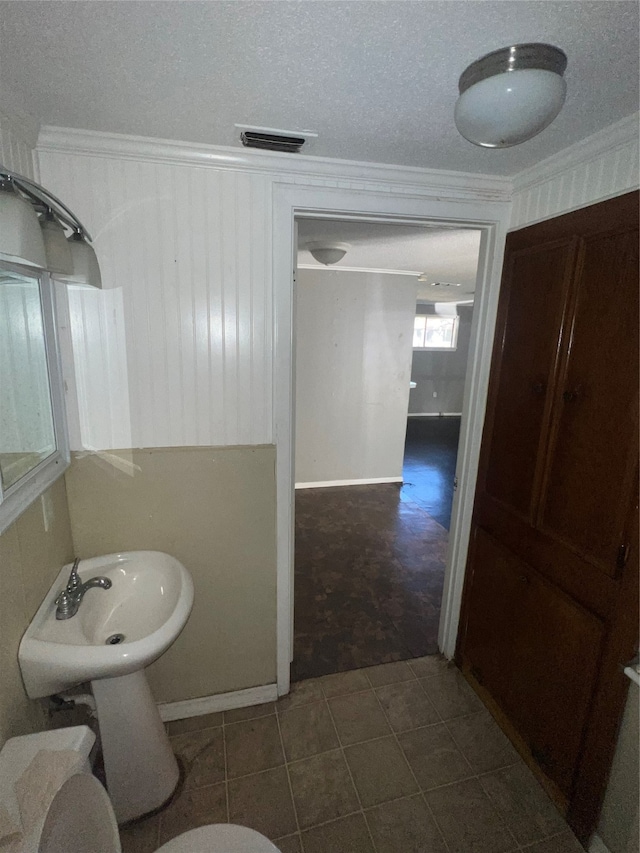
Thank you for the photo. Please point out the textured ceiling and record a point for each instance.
(445, 255)
(376, 80)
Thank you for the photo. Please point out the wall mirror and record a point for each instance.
(33, 437)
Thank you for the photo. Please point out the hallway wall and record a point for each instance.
(353, 363)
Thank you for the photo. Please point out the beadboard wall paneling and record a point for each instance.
(176, 349)
(17, 142)
(599, 167)
(183, 356)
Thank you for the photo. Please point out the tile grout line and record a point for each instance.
(474, 772)
(475, 775)
(560, 834)
(413, 775)
(286, 767)
(495, 808)
(364, 810)
(359, 743)
(478, 776)
(344, 758)
(226, 771)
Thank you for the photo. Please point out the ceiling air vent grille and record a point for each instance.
(270, 139)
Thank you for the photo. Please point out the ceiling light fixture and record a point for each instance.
(328, 253)
(20, 235)
(42, 242)
(85, 264)
(511, 95)
(59, 259)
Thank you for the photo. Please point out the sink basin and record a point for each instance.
(115, 634)
(148, 605)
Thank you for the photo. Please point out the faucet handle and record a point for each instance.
(66, 605)
(74, 582)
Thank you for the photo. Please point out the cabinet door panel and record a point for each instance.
(525, 642)
(535, 287)
(550, 606)
(591, 467)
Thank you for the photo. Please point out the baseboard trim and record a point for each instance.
(434, 415)
(597, 845)
(220, 702)
(322, 484)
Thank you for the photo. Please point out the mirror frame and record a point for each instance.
(18, 497)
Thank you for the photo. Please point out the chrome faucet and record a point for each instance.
(70, 598)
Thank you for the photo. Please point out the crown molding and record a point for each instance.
(288, 167)
(619, 135)
(334, 268)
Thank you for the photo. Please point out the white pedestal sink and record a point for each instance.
(146, 607)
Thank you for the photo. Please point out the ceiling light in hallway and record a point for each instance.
(327, 253)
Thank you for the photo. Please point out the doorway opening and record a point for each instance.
(382, 339)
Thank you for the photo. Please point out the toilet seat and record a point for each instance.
(219, 838)
(80, 817)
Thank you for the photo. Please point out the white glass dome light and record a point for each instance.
(328, 252)
(511, 95)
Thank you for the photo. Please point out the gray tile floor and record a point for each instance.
(398, 758)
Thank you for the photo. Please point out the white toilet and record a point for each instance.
(51, 803)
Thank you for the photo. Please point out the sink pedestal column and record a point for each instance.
(141, 769)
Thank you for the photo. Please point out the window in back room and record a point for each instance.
(433, 332)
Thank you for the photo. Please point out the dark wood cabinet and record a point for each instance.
(550, 606)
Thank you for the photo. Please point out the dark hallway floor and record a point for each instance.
(430, 454)
(368, 579)
(370, 560)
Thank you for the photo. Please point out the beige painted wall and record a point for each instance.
(618, 826)
(32, 552)
(214, 510)
(354, 335)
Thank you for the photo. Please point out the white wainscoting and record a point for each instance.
(596, 168)
(177, 348)
(180, 349)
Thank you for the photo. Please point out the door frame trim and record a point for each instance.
(492, 219)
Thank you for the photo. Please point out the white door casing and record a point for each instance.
(492, 218)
